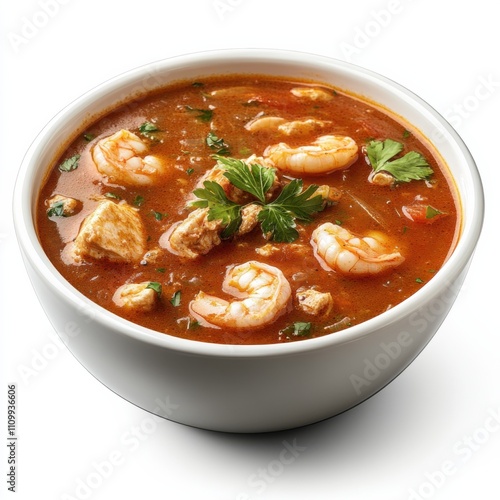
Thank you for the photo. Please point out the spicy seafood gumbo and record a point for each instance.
(248, 210)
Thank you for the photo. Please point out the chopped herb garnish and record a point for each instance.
(220, 207)
(69, 164)
(256, 180)
(161, 269)
(113, 196)
(217, 144)
(197, 84)
(158, 215)
(89, 137)
(189, 171)
(204, 115)
(411, 166)
(154, 285)
(406, 134)
(56, 209)
(193, 324)
(431, 212)
(138, 201)
(419, 280)
(277, 217)
(148, 127)
(176, 299)
(298, 329)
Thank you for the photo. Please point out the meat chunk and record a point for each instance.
(216, 174)
(136, 297)
(194, 236)
(113, 231)
(313, 302)
(62, 206)
(249, 218)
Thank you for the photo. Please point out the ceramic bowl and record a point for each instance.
(246, 388)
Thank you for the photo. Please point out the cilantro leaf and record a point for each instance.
(254, 179)
(411, 166)
(69, 164)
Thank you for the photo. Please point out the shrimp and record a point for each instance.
(119, 158)
(314, 94)
(337, 249)
(324, 155)
(264, 294)
(275, 124)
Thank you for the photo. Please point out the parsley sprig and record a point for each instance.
(411, 166)
(277, 217)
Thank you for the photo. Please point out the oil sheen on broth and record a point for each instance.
(248, 210)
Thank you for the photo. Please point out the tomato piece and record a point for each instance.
(422, 213)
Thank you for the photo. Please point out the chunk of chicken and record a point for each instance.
(113, 231)
(249, 218)
(216, 174)
(136, 297)
(313, 302)
(62, 206)
(194, 236)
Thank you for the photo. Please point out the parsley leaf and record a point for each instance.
(176, 299)
(154, 285)
(298, 329)
(220, 207)
(217, 144)
(411, 166)
(204, 115)
(277, 217)
(138, 201)
(431, 212)
(69, 164)
(254, 179)
(56, 209)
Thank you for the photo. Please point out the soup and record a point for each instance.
(248, 210)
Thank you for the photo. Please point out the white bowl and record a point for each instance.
(246, 388)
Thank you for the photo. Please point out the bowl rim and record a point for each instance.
(34, 254)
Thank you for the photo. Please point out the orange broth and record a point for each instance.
(181, 144)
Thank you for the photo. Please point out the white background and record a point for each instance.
(433, 433)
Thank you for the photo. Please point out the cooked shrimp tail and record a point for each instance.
(263, 291)
(122, 158)
(337, 249)
(326, 154)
